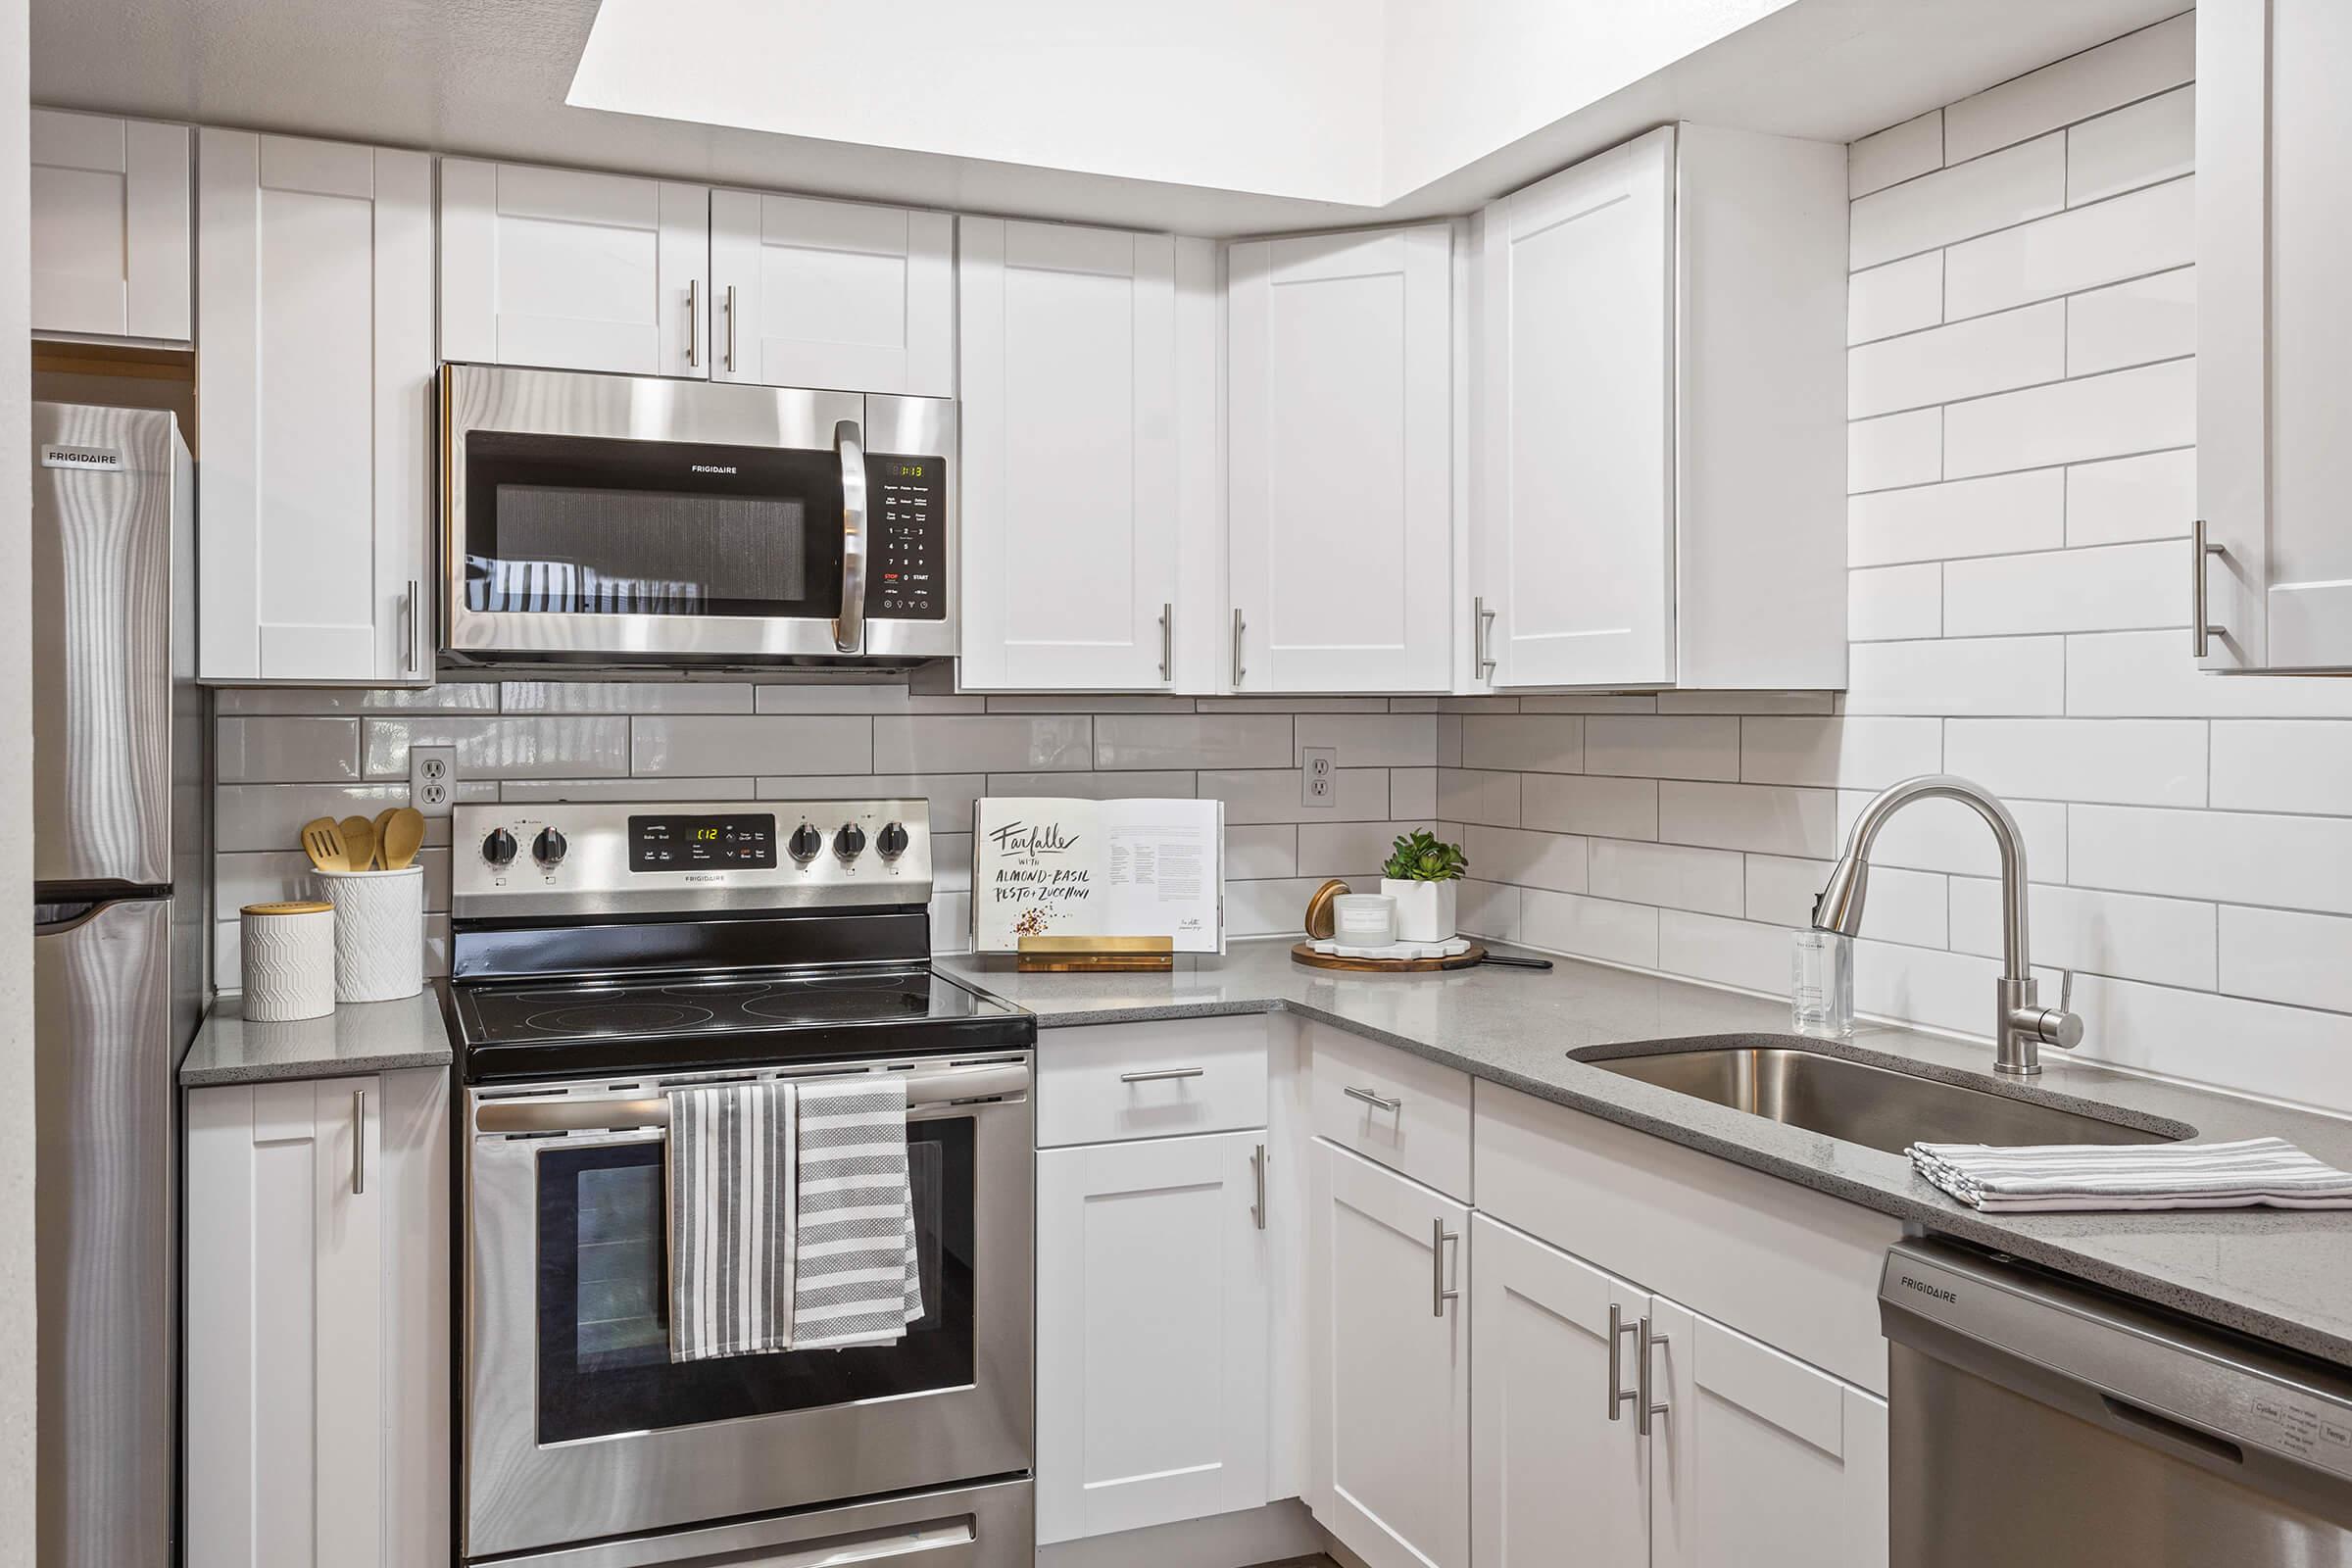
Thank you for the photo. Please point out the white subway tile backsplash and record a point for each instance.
(1908, 906)
(2144, 409)
(1675, 875)
(1966, 360)
(1570, 803)
(1770, 818)
(1898, 153)
(1854, 752)
(2081, 85)
(1887, 604)
(1744, 703)
(2287, 1053)
(1271, 795)
(2120, 762)
(1183, 740)
(2149, 673)
(1654, 745)
(1727, 952)
(1487, 910)
(1899, 296)
(2138, 322)
(1590, 928)
(1523, 742)
(2149, 497)
(478, 696)
(1554, 860)
(708, 744)
(298, 751)
(1174, 784)
(995, 743)
(949, 795)
(1371, 740)
(1472, 795)
(1258, 850)
(270, 817)
(1939, 835)
(1588, 702)
(584, 746)
(658, 788)
(635, 696)
(1940, 989)
(1972, 198)
(1413, 793)
(2149, 141)
(1355, 850)
(1898, 449)
(2280, 956)
(2107, 588)
(2145, 231)
(1999, 516)
(1988, 675)
(2171, 941)
(2277, 766)
(2289, 863)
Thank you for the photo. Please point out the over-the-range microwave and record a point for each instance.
(619, 520)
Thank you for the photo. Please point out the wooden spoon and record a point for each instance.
(322, 842)
(403, 832)
(358, 842)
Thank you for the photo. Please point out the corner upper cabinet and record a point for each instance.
(841, 295)
(1662, 419)
(1340, 532)
(1075, 471)
(567, 270)
(109, 228)
(317, 318)
(2274, 160)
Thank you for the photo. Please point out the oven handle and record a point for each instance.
(621, 1116)
(848, 632)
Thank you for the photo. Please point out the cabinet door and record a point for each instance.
(110, 227)
(572, 272)
(1340, 529)
(832, 294)
(1070, 456)
(1577, 440)
(1388, 1422)
(1758, 1459)
(1152, 1303)
(2274, 158)
(285, 1440)
(1556, 1448)
(316, 377)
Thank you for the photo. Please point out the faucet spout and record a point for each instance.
(2021, 1025)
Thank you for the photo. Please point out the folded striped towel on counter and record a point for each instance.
(857, 1281)
(730, 1169)
(2255, 1171)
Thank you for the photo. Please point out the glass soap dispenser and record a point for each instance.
(1821, 992)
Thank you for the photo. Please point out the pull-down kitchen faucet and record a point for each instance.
(2022, 1026)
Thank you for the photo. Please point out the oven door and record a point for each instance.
(580, 1426)
(619, 520)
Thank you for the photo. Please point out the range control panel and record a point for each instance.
(740, 839)
(907, 536)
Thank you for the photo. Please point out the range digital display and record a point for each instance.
(744, 841)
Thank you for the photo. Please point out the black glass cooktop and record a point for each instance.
(533, 1028)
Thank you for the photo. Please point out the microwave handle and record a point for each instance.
(848, 632)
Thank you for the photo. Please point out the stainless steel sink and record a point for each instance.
(1876, 1107)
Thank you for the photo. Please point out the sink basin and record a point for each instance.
(1878, 1108)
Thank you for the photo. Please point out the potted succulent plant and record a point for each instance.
(1420, 875)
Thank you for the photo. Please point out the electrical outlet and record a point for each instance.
(1319, 776)
(432, 778)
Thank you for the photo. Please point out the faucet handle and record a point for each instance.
(2066, 990)
(2062, 1026)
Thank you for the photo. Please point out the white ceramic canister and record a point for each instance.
(1363, 919)
(288, 960)
(379, 932)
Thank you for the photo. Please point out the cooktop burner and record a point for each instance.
(614, 1018)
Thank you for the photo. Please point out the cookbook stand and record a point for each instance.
(1096, 954)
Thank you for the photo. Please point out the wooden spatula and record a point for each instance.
(358, 842)
(403, 832)
(322, 842)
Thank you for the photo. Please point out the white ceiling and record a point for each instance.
(491, 77)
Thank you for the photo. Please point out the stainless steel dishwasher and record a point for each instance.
(2035, 1420)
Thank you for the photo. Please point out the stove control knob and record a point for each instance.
(893, 841)
(549, 846)
(849, 842)
(499, 848)
(806, 844)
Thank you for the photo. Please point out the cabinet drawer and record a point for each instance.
(1149, 1080)
(1390, 1106)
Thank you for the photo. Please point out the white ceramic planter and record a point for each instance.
(379, 932)
(1425, 911)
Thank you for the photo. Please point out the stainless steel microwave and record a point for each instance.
(638, 520)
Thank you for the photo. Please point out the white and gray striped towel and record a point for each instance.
(730, 1172)
(857, 1280)
(2255, 1171)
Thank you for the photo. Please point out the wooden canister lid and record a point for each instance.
(291, 907)
(1322, 921)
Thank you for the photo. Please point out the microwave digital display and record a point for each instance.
(744, 841)
(907, 524)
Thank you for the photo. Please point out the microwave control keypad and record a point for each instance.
(907, 536)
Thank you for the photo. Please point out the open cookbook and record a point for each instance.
(1047, 867)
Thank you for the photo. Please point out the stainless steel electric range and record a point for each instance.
(601, 954)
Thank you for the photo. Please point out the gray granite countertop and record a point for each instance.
(357, 1037)
(2281, 1274)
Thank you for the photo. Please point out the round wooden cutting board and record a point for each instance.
(1304, 952)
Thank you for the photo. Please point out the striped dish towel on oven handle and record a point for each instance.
(729, 1171)
(856, 1278)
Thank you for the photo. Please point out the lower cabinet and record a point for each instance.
(1653, 1437)
(318, 1322)
(1389, 1329)
(1153, 1280)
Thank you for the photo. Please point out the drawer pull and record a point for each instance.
(1619, 1328)
(1645, 1342)
(1438, 1295)
(1376, 1102)
(1161, 1075)
(1257, 1168)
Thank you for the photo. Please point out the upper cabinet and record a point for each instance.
(1661, 420)
(1341, 521)
(316, 320)
(1075, 464)
(110, 227)
(571, 271)
(832, 294)
(2273, 562)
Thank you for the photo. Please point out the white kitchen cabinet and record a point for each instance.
(2274, 329)
(317, 502)
(316, 1323)
(1341, 521)
(843, 295)
(1389, 1287)
(1074, 461)
(1660, 485)
(574, 272)
(110, 227)
(1153, 1274)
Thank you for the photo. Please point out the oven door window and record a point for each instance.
(592, 525)
(604, 1301)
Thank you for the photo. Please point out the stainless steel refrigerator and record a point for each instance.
(120, 886)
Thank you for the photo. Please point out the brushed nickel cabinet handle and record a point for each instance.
(1482, 621)
(2200, 628)
(1161, 1075)
(1619, 1328)
(694, 323)
(1376, 1102)
(1167, 641)
(1257, 1168)
(849, 631)
(359, 1141)
(1438, 1295)
(1238, 668)
(1646, 1343)
(730, 362)
(416, 630)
